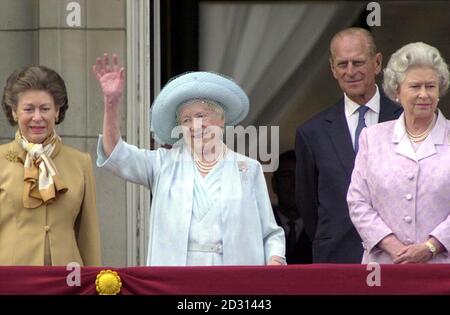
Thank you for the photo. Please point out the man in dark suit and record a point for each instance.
(326, 147)
(298, 245)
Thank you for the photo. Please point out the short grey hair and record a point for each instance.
(216, 107)
(414, 55)
(354, 32)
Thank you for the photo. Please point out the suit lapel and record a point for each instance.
(339, 134)
(427, 149)
(337, 128)
(388, 109)
(437, 137)
(405, 148)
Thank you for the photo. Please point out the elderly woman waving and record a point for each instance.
(399, 196)
(210, 205)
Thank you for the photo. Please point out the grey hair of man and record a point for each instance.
(413, 55)
(213, 105)
(355, 31)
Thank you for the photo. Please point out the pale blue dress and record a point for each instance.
(241, 215)
(206, 220)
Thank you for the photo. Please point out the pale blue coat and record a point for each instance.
(250, 233)
(397, 190)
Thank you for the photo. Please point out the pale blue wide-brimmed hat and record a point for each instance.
(196, 85)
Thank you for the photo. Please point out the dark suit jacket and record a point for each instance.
(303, 248)
(325, 159)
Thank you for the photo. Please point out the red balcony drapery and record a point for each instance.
(314, 279)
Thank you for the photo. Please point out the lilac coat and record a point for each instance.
(396, 190)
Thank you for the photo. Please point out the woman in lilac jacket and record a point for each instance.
(399, 196)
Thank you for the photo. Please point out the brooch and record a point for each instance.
(243, 168)
(11, 156)
(108, 283)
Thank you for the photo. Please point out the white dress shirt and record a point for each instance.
(352, 115)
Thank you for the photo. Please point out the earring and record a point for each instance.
(56, 119)
(15, 118)
(397, 100)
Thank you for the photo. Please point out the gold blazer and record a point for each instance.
(66, 229)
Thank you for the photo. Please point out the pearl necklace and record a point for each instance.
(206, 167)
(424, 135)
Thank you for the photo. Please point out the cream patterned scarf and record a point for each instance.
(42, 183)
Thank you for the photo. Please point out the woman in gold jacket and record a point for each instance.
(48, 212)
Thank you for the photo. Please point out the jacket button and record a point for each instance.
(407, 219)
(410, 176)
(46, 228)
(408, 196)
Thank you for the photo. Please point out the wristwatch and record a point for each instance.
(431, 248)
